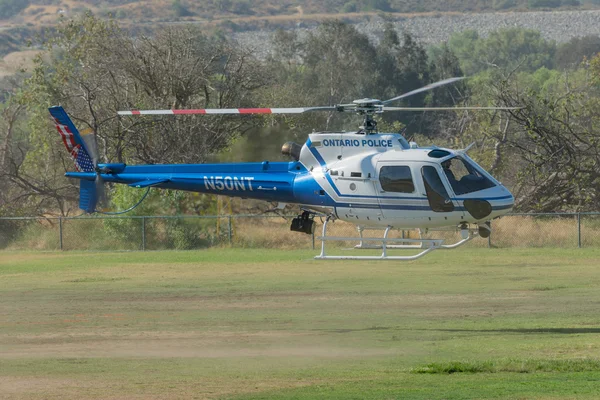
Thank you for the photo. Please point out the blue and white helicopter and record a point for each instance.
(370, 179)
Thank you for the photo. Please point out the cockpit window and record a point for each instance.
(464, 177)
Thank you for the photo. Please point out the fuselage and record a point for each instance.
(370, 180)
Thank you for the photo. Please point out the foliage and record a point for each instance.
(180, 233)
(366, 5)
(576, 50)
(108, 70)
(505, 49)
(556, 138)
(510, 365)
(552, 3)
(180, 10)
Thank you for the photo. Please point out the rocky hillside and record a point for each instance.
(560, 26)
(254, 31)
(45, 11)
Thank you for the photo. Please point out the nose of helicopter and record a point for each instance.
(502, 205)
(489, 204)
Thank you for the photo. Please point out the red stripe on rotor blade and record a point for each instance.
(135, 112)
(255, 111)
(189, 111)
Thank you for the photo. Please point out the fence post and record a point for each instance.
(60, 232)
(579, 230)
(313, 239)
(490, 237)
(143, 233)
(229, 231)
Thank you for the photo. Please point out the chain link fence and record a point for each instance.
(259, 231)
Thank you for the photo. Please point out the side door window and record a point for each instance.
(396, 178)
(437, 195)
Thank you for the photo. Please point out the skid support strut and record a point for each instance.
(425, 245)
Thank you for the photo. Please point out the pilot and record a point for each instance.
(446, 165)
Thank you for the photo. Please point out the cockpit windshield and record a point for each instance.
(464, 176)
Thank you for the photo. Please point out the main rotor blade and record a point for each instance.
(229, 111)
(449, 108)
(424, 89)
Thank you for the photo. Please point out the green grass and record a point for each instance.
(514, 365)
(254, 324)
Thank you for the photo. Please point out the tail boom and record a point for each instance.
(264, 181)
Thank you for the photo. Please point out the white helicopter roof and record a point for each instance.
(333, 147)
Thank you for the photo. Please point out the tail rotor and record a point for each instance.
(89, 138)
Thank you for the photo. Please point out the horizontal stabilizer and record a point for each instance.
(148, 183)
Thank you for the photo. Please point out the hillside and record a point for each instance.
(251, 22)
(36, 12)
(559, 26)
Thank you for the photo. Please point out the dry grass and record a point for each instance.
(16, 61)
(274, 232)
(267, 233)
(518, 231)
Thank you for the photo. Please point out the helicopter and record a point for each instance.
(374, 180)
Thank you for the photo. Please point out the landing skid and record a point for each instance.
(425, 245)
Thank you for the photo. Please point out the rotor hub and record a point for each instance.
(367, 102)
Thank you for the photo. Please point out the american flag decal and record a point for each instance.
(82, 159)
(67, 136)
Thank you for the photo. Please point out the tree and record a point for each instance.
(404, 66)
(505, 49)
(572, 53)
(11, 113)
(29, 182)
(96, 69)
(557, 140)
(179, 9)
(339, 66)
(443, 65)
(340, 62)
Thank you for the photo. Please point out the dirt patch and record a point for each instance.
(30, 384)
(8, 257)
(181, 348)
(161, 335)
(15, 61)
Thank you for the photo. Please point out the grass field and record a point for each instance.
(254, 324)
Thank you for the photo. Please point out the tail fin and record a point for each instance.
(81, 154)
(73, 140)
(88, 196)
